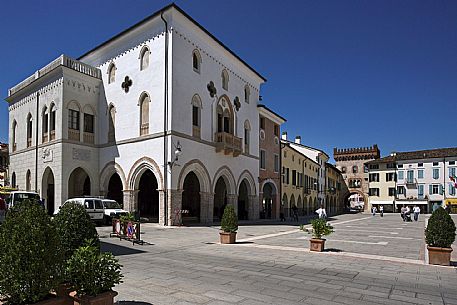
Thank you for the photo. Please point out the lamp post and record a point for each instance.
(178, 153)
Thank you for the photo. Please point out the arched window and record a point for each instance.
(45, 124)
(29, 130)
(74, 121)
(144, 114)
(28, 180)
(247, 133)
(14, 129)
(89, 124)
(225, 79)
(52, 122)
(13, 179)
(355, 169)
(111, 73)
(111, 123)
(247, 93)
(196, 116)
(144, 58)
(196, 61)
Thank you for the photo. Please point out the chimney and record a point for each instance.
(298, 140)
(284, 136)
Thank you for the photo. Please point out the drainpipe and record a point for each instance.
(36, 140)
(165, 125)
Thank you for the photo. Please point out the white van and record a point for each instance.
(93, 206)
(16, 197)
(112, 209)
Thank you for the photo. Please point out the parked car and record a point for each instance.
(112, 209)
(93, 206)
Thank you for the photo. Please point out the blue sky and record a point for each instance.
(343, 73)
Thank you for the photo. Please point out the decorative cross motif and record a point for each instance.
(212, 89)
(126, 84)
(237, 103)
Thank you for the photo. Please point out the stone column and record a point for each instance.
(130, 200)
(161, 207)
(232, 199)
(253, 211)
(174, 205)
(206, 208)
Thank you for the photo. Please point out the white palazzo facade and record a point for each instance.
(111, 123)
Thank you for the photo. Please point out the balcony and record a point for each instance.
(73, 134)
(144, 129)
(196, 131)
(88, 137)
(228, 143)
(411, 181)
(52, 135)
(45, 137)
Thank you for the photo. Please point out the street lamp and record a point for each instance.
(178, 153)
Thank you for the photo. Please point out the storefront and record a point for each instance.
(453, 203)
(422, 204)
(388, 205)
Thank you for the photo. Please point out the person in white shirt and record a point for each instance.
(381, 210)
(416, 211)
(321, 212)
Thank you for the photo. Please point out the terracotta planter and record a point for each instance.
(106, 298)
(55, 300)
(63, 290)
(439, 256)
(228, 237)
(316, 244)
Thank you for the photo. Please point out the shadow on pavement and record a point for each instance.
(132, 303)
(118, 250)
(333, 250)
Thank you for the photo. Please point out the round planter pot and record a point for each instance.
(316, 244)
(439, 256)
(228, 237)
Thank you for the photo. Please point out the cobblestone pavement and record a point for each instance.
(272, 265)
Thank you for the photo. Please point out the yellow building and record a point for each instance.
(335, 190)
(299, 182)
(382, 184)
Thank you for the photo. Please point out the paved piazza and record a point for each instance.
(371, 260)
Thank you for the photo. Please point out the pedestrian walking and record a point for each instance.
(321, 212)
(373, 210)
(448, 208)
(381, 211)
(403, 212)
(416, 211)
(295, 212)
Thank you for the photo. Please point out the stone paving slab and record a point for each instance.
(188, 266)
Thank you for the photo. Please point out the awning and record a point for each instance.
(411, 202)
(452, 201)
(381, 202)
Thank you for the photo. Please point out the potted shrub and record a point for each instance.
(229, 226)
(93, 275)
(320, 228)
(439, 236)
(74, 226)
(30, 256)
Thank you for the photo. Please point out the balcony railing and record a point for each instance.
(228, 143)
(88, 137)
(45, 137)
(410, 181)
(14, 147)
(196, 131)
(52, 135)
(29, 142)
(144, 129)
(62, 60)
(74, 135)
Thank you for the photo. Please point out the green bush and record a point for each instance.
(229, 222)
(127, 217)
(92, 272)
(440, 231)
(74, 227)
(30, 254)
(321, 228)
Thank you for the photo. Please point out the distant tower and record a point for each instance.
(351, 162)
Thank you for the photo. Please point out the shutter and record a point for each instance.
(441, 189)
(430, 189)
